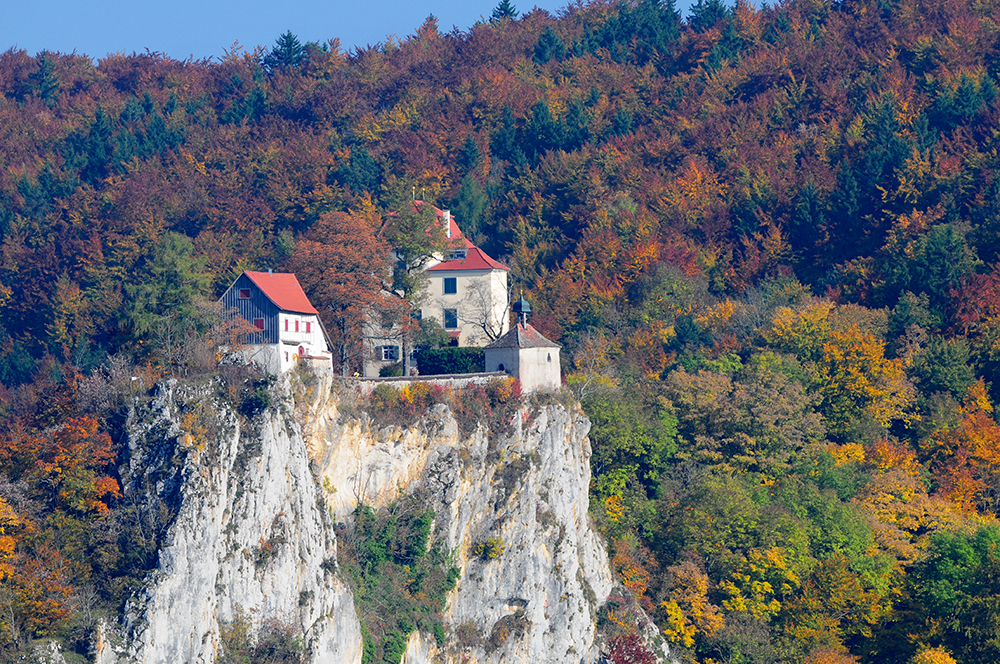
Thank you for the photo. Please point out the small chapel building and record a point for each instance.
(526, 354)
(289, 326)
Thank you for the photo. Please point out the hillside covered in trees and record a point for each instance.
(767, 238)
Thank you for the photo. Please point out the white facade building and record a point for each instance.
(528, 356)
(289, 326)
(467, 293)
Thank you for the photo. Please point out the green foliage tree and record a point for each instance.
(959, 584)
(505, 10)
(287, 53)
(45, 81)
(166, 297)
(417, 237)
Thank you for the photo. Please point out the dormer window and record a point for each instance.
(457, 255)
(244, 293)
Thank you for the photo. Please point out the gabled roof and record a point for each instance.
(284, 290)
(453, 232)
(523, 336)
(475, 259)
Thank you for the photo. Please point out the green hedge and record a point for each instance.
(451, 360)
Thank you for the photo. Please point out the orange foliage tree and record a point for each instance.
(72, 464)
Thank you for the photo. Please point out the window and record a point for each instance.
(302, 352)
(450, 285)
(258, 323)
(244, 293)
(286, 325)
(296, 326)
(390, 353)
(450, 319)
(286, 356)
(419, 315)
(457, 255)
(309, 327)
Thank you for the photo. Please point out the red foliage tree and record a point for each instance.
(630, 649)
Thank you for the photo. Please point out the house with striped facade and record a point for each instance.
(289, 326)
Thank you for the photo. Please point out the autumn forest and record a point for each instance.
(767, 238)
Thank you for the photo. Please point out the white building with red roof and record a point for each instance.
(467, 292)
(289, 327)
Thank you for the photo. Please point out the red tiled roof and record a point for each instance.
(475, 259)
(284, 290)
(523, 336)
(453, 231)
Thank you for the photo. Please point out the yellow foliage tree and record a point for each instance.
(760, 580)
(902, 514)
(688, 611)
(933, 656)
(848, 367)
(967, 457)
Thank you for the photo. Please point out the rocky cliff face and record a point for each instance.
(527, 490)
(253, 540)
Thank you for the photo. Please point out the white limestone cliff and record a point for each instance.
(250, 541)
(529, 489)
(253, 537)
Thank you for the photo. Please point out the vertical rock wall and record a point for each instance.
(251, 540)
(528, 489)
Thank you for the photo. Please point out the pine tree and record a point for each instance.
(362, 173)
(706, 13)
(288, 52)
(549, 47)
(470, 205)
(45, 81)
(503, 142)
(470, 158)
(504, 11)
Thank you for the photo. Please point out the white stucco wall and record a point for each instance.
(481, 296)
(536, 368)
(312, 342)
(539, 369)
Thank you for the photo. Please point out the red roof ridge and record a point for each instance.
(284, 290)
(475, 259)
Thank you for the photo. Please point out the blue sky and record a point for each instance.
(183, 28)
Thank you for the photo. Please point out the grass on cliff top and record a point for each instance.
(494, 404)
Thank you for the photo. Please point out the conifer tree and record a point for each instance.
(504, 11)
(288, 52)
(45, 81)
